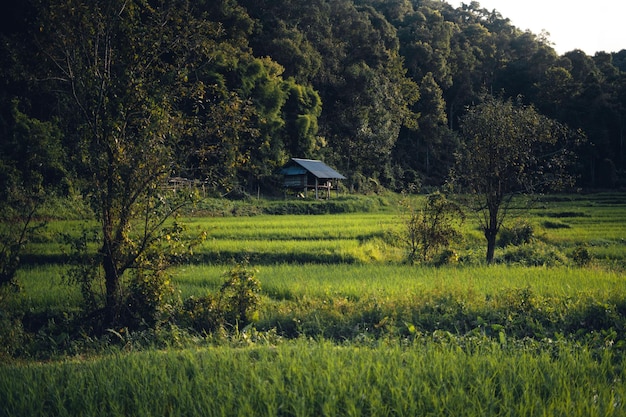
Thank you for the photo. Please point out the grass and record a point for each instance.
(303, 378)
(596, 221)
(43, 288)
(344, 327)
(365, 280)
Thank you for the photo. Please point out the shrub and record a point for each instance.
(239, 295)
(147, 294)
(581, 256)
(536, 254)
(445, 257)
(202, 314)
(235, 305)
(520, 233)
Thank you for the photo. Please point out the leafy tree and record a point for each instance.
(349, 54)
(554, 89)
(425, 43)
(221, 141)
(508, 149)
(262, 82)
(369, 102)
(301, 112)
(121, 68)
(438, 142)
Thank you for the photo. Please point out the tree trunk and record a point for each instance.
(112, 286)
(490, 235)
(491, 229)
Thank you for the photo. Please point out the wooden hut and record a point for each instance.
(310, 174)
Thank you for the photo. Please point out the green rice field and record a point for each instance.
(345, 327)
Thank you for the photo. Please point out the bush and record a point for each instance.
(235, 305)
(147, 295)
(536, 254)
(239, 295)
(432, 227)
(202, 314)
(445, 257)
(581, 256)
(521, 233)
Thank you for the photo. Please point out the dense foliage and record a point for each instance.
(376, 88)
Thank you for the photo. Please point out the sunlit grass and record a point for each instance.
(360, 281)
(289, 227)
(303, 378)
(45, 288)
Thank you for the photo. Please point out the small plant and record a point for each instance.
(239, 295)
(234, 305)
(535, 254)
(446, 257)
(202, 314)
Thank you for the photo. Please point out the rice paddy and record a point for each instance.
(346, 327)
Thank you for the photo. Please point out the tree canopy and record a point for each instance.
(376, 88)
(509, 149)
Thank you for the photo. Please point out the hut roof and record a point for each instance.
(319, 169)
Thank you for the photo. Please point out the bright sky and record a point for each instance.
(589, 25)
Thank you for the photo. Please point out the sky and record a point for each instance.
(589, 25)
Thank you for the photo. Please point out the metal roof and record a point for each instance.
(315, 167)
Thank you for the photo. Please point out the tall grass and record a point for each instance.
(426, 377)
(564, 222)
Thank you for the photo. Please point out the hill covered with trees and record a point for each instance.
(376, 88)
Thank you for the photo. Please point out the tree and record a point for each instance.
(121, 68)
(508, 149)
(302, 109)
(433, 125)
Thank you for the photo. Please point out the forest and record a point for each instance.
(234, 88)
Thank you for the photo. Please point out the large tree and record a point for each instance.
(508, 149)
(121, 69)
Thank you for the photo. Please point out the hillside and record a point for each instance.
(376, 88)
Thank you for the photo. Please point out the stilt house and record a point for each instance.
(310, 174)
